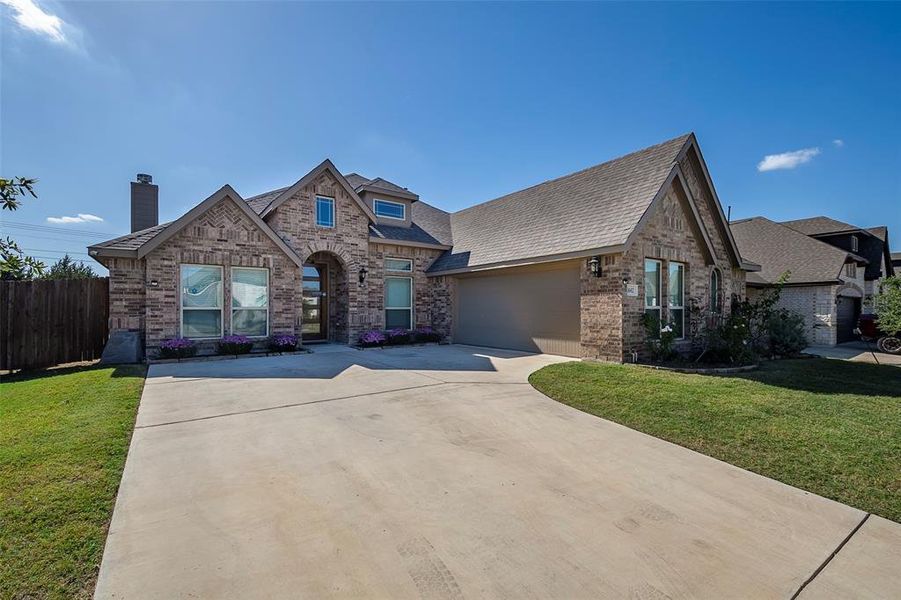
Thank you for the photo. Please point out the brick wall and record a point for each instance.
(126, 294)
(222, 236)
(815, 304)
(425, 300)
(348, 241)
(611, 320)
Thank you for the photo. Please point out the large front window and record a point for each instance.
(398, 302)
(325, 211)
(250, 301)
(201, 301)
(676, 282)
(652, 285)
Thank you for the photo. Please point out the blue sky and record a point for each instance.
(459, 102)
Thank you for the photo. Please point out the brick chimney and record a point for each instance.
(145, 203)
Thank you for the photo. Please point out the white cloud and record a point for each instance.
(33, 18)
(787, 160)
(81, 218)
(838, 143)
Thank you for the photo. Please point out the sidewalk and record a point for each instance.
(857, 352)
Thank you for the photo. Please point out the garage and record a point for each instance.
(847, 313)
(534, 308)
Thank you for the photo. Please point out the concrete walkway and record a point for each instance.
(856, 352)
(438, 472)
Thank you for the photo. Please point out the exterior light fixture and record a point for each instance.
(594, 265)
(363, 272)
(154, 283)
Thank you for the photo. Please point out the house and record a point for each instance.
(896, 261)
(568, 266)
(826, 284)
(870, 243)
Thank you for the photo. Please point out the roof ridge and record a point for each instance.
(579, 172)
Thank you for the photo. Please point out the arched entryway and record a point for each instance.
(847, 312)
(325, 298)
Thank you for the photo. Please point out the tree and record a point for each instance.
(67, 268)
(14, 264)
(888, 305)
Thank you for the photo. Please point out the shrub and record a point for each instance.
(660, 341)
(396, 337)
(283, 343)
(234, 344)
(426, 334)
(177, 348)
(786, 329)
(888, 305)
(372, 338)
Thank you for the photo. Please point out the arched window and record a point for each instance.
(716, 292)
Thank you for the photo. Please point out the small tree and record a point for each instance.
(67, 268)
(15, 264)
(888, 305)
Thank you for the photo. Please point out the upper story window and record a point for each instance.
(399, 264)
(250, 301)
(853, 243)
(851, 270)
(390, 210)
(201, 301)
(325, 211)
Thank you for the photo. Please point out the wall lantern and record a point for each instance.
(363, 272)
(594, 265)
(154, 283)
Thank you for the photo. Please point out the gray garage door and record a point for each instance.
(526, 308)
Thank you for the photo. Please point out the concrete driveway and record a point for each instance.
(438, 472)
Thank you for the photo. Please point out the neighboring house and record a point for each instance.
(568, 266)
(870, 243)
(896, 260)
(825, 284)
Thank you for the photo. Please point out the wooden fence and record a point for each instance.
(46, 323)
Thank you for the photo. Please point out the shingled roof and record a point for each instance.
(779, 248)
(595, 208)
(819, 225)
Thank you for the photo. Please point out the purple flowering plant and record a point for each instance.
(371, 338)
(177, 348)
(283, 343)
(426, 334)
(235, 344)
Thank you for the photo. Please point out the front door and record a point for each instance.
(315, 304)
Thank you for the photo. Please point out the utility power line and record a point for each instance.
(51, 229)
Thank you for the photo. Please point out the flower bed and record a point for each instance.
(234, 344)
(376, 338)
(177, 348)
(282, 343)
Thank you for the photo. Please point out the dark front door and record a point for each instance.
(848, 311)
(315, 306)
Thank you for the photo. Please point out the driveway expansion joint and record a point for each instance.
(829, 558)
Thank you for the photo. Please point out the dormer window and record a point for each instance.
(853, 243)
(390, 210)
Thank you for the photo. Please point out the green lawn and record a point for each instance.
(830, 427)
(63, 439)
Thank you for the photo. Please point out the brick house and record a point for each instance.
(834, 270)
(568, 266)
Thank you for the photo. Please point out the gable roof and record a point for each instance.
(779, 248)
(325, 165)
(140, 243)
(379, 186)
(591, 210)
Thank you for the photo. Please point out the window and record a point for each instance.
(715, 291)
(853, 243)
(201, 301)
(390, 210)
(325, 211)
(398, 302)
(676, 300)
(250, 301)
(399, 264)
(652, 287)
(851, 270)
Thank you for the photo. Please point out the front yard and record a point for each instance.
(63, 441)
(830, 427)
